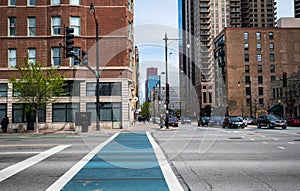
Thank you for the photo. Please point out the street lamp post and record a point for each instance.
(92, 10)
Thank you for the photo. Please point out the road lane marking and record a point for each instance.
(16, 168)
(264, 142)
(252, 139)
(291, 143)
(281, 148)
(16, 153)
(275, 139)
(63, 180)
(169, 175)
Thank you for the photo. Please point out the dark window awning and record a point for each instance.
(276, 108)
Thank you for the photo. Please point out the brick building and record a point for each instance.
(248, 60)
(36, 28)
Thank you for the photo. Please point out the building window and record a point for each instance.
(246, 57)
(258, 46)
(12, 57)
(247, 69)
(12, 2)
(246, 35)
(272, 58)
(56, 25)
(75, 61)
(260, 91)
(20, 116)
(75, 23)
(258, 58)
(260, 80)
(273, 78)
(105, 89)
(12, 22)
(246, 46)
(257, 34)
(272, 68)
(55, 2)
(259, 69)
(271, 45)
(248, 91)
(72, 88)
(31, 26)
(3, 90)
(31, 2)
(248, 101)
(261, 101)
(247, 79)
(64, 112)
(32, 55)
(3, 110)
(271, 35)
(74, 2)
(56, 56)
(109, 111)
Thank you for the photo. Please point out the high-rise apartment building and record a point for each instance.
(202, 21)
(36, 29)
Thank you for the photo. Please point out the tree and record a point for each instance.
(145, 109)
(37, 86)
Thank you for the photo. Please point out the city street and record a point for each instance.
(202, 158)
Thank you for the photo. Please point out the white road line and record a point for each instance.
(169, 175)
(252, 139)
(275, 139)
(14, 169)
(16, 153)
(291, 143)
(264, 142)
(63, 180)
(281, 148)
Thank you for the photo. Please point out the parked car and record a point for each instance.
(185, 120)
(293, 122)
(250, 120)
(244, 120)
(233, 122)
(204, 120)
(271, 121)
(173, 121)
(215, 121)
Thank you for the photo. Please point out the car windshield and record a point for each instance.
(235, 119)
(272, 117)
(205, 118)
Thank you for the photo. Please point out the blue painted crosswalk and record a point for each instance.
(126, 163)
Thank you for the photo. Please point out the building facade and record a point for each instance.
(202, 22)
(36, 29)
(248, 60)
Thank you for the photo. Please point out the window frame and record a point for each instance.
(64, 112)
(12, 29)
(258, 36)
(271, 35)
(272, 57)
(53, 2)
(259, 68)
(246, 46)
(30, 58)
(271, 46)
(259, 58)
(30, 28)
(76, 3)
(55, 57)
(30, 3)
(55, 26)
(246, 58)
(246, 36)
(12, 4)
(258, 46)
(10, 58)
(75, 25)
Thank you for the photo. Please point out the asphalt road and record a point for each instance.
(202, 158)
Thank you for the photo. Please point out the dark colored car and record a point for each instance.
(204, 120)
(293, 122)
(185, 120)
(233, 122)
(215, 121)
(270, 121)
(173, 122)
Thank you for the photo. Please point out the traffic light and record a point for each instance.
(84, 58)
(284, 79)
(167, 93)
(69, 42)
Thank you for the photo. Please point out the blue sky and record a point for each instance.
(155, 17)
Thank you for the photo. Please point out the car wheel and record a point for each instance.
(258, 125)
(284, 127)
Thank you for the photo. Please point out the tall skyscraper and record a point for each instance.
(202, 21)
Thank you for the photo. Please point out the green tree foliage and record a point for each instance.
(145, 109)
(37, 86)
